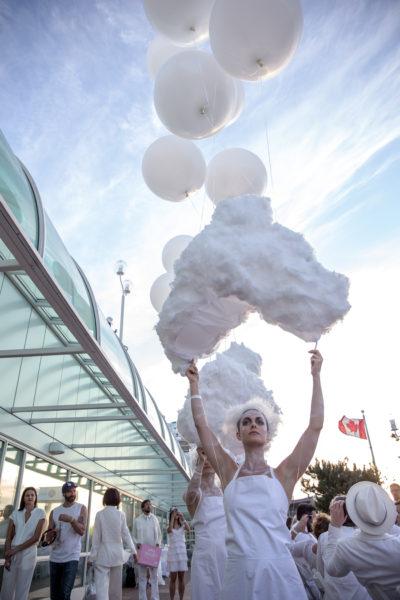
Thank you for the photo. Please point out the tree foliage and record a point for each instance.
(326, 480)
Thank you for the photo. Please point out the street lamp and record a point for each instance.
(126, 288)
(394, 430)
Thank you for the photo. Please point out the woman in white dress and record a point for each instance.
(23, 534)
(204, 502)
(256, 497)
(177, 555)
(107, 553)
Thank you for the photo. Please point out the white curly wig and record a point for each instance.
(228, 435)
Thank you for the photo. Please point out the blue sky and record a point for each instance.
(76, 107)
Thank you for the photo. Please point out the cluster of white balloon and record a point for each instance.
(197, 93)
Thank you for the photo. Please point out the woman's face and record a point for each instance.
(29, 498)
(207, 468)
(253, 429)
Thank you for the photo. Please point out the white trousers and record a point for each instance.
(143, 582)
(17, 580)
(108, 581)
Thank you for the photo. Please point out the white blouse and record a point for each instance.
(24, 531)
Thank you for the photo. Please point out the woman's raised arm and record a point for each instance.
(222, 463)
(292, 468)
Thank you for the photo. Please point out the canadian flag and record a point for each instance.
(353, 427)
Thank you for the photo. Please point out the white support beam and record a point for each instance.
(114, 445)
(144, 471)
(58, 407)
(51, 351)
(10, 265)
(140, 457)
(83, 419)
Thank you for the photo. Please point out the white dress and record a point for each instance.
(177, 555)
(259, 564)
(209, 556)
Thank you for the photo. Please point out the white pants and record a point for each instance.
(18, 579)
(108, 581)
(143, 582)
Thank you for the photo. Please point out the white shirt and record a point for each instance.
(146, 530)
(338, 588)
(374, 560)
(68, 543)
(302, 550)
(110, 530)
(24, 531)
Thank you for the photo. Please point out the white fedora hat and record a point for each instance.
(370, 508)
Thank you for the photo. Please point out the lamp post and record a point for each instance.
(394, 430)
(126, 288)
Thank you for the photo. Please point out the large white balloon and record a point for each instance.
(173, 249)
(255, 39)
(160, 290)
(185, 22)
(193, 96)
(173, 168)
(158, 52)
(235, 172)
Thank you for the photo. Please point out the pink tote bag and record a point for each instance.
(149, 556)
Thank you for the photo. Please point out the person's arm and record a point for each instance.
(96, 538)
(135, 533)
(335, 562)
(192, 495)
(9, 537)
(158, 533)
(182, 520)
(292, 468)
(171, 522)
(300, 527)
(222, 463)
(34, 539)
(79, 524)
(126, 536)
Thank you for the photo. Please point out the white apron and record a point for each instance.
(259, 564)
(209, 556)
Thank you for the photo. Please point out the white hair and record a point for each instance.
(271, 413)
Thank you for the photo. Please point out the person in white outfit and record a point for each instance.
(205, 504)
(107, 553)
(337, 588)
(146, 530)
(177, 560)
(372, 554)
(24, 530)
(69, 521)
(256, 496)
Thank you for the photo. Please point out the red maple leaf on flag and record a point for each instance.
(352, 426)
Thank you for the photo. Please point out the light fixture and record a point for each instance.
(56, 448)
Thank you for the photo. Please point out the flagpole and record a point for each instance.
(369, 441)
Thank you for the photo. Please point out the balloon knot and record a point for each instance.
(260, 63)
(192, 28)
(203, 110)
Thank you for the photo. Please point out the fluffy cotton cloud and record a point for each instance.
(226, 384)
(243, 262)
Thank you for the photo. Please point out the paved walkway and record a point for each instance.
(133, 593)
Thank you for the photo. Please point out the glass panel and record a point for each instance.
(48, 479)
(17, 192)
(67, 275)
(5, 254)
(127, 508)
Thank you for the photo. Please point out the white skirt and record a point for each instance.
(177, 565)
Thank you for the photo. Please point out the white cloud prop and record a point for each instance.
(242, 262)
(226, 384)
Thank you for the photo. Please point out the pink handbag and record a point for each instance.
(149, 556)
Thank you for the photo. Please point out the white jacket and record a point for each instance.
(110, 530)
(146, 530)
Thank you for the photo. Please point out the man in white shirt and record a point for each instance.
(69, 520)
(146, 530)
(372, 554)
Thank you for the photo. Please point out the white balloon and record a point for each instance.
(173, 168)
(158, 52)
(239, 102)
(235, 172)
(160, 290)
(193, 96)
(173, 249)
(185, 22)
(255, 39)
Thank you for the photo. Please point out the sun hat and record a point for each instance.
(67, 486)
(370, 508)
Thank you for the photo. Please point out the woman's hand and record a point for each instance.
(192, 373)
(135, 559)
(338, 518)
(316, 362)
(90, 564)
